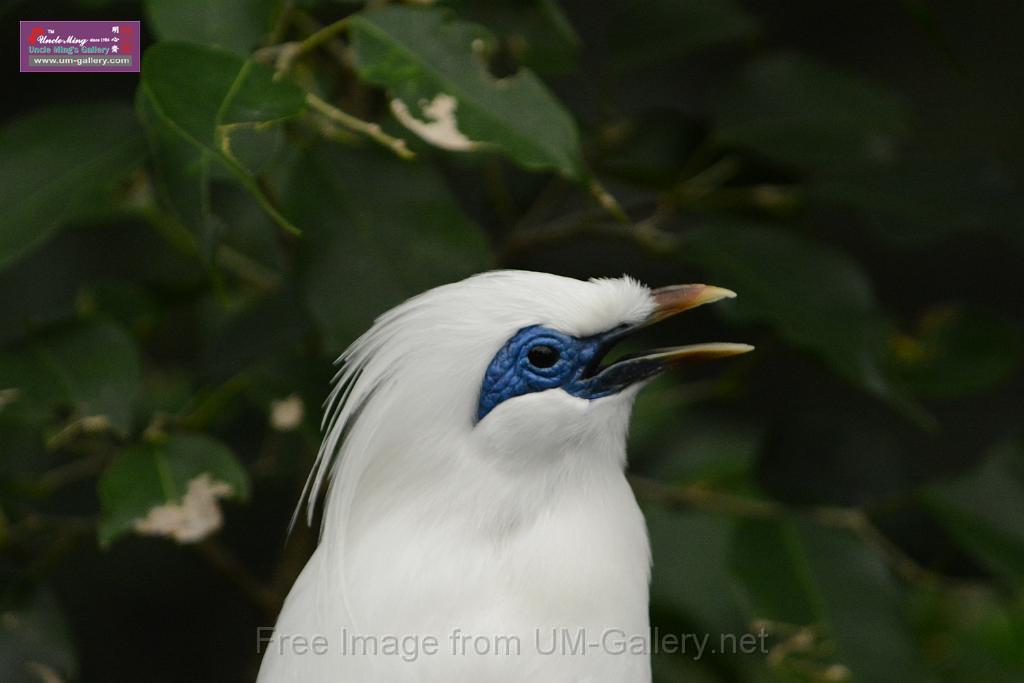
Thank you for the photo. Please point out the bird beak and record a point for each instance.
(637, 367)
(678, 298)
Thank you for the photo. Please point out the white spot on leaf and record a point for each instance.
(287, 414)
(440, 129)
(196, 517)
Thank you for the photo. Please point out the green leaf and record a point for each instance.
(93, 368)
(51, 173)
(35, 640)
(666, 668)
(807, 574)
(536, 33)
(30, 385)
(648, 32)
(672, 442)
(379, 231)
(251, 235)
(441, 88)
(319, 4)
(767, 558)
(236, 25)
(256, 334)
(182, 177)
(809, 115)
(24, 456)
(692, 593)
(99, 368)
(816, 298)
(957, 352)
(981, 632)
(922, 201)
(652, 148)
(983, 509)
(864, 607)
(127, 303)
(195, 91)
(692, 549)
(46, 287)
(151, 475)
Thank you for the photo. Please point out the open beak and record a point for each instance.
(637, 367)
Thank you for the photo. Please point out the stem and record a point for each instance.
(76, 470)
(859, 523)
(247, 269)
(321, 36)
(284, 55)
(207, 406)
(367, 128)
(218, 556)
(697, 497)
(308, 24)
(645, 234)
(607, 201)
(281, 24)
(706, 181)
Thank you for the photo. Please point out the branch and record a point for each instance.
(321, 36)
(367, 128)
(248, 269)
(646, 234)
(607, 201)
(218, 556)
(855, 520)
(284, 55)
(80, 468)
(705, 182)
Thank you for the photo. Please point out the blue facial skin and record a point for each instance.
(513, 373)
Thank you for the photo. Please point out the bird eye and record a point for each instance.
(542, 356)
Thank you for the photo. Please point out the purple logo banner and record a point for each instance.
(80, 46)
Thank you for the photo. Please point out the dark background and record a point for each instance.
(851, 169)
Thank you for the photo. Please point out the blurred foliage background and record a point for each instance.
(183, 255)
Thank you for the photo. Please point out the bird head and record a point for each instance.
(549, 387)
(507, 371)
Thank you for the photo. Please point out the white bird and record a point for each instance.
(477, 516)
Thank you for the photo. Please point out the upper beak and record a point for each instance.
(678, 298)
(668, 302)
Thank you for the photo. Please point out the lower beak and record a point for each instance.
(668, 302)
